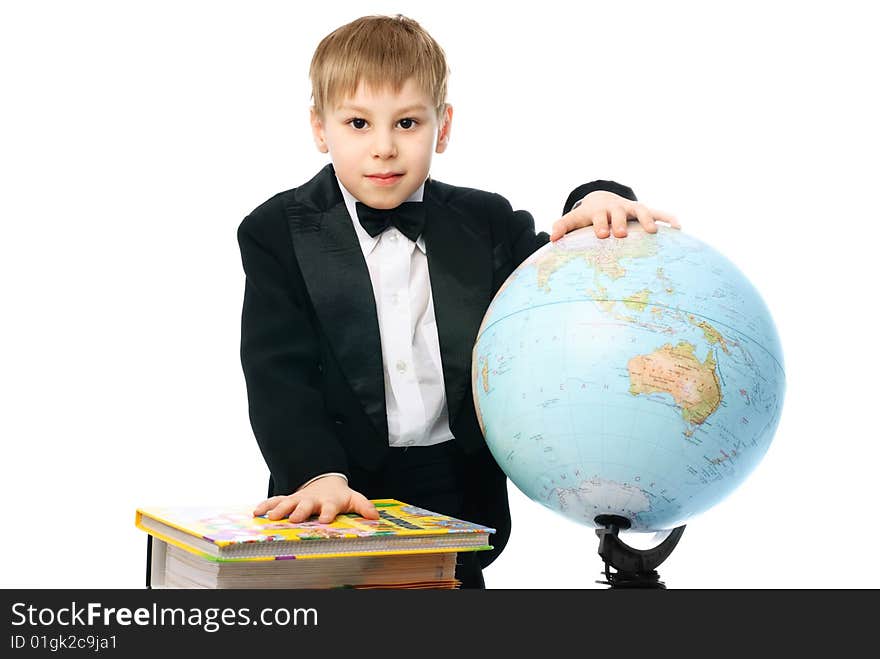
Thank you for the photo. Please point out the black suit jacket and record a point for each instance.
(310, 345)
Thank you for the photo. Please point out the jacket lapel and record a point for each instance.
(458, 247)
(336, 276)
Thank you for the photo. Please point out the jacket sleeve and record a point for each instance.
(280, 356)
(583, 190)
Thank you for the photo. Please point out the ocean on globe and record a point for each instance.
(639, 376)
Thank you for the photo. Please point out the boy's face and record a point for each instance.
(381, 143)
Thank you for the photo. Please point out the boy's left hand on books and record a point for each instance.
(602, 208)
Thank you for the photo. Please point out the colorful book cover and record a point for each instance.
(234, 533)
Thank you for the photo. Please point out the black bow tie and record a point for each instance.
(408, 218)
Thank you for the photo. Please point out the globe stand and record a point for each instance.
(636, 568)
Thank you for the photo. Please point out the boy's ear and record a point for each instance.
(318, 130)
(444, 130)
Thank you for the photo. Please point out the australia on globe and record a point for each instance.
(641, 377)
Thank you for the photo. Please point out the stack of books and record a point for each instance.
(228, 547)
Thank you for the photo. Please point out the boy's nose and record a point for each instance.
(383, 145)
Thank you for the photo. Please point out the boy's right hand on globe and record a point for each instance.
(326, 497)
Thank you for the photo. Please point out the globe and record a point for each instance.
(640, 377)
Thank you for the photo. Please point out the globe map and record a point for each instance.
(639, 376)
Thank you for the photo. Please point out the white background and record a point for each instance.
(136, 136)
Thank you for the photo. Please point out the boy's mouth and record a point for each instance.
(387, 178)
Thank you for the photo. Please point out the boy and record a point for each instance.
(365, 288)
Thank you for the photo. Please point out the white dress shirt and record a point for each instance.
(415, 396)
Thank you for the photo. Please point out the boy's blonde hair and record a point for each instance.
(380, 51)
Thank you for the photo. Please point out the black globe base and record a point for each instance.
(635, 568)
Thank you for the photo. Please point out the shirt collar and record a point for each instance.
(368, 242)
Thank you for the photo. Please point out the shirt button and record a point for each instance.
(401, 366)
(393, 237)
(395, 298)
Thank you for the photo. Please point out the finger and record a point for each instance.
(282, 507)
(669, 218)
(328, 513)
(600, 224)
(618, 221)
(646, 219)
(364, 507)
(560, 228)
(304, 509)
(268, 504)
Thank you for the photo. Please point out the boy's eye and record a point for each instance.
(359, 124)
